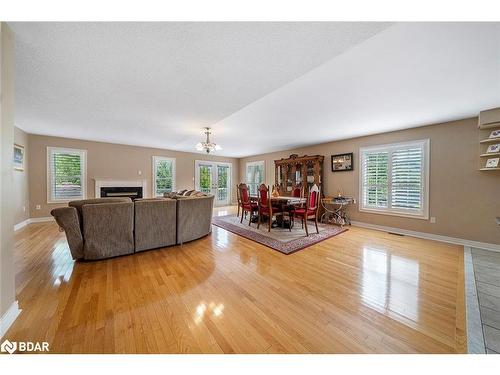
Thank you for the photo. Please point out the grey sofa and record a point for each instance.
(108, 227)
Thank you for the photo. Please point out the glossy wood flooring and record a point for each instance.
(362, 291)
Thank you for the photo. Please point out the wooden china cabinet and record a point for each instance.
(302, 171)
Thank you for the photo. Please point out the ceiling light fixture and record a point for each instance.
(208, 146)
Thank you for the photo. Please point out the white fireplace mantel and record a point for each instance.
(119, 182)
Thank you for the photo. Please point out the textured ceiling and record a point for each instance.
(262, 86)
(158, 84)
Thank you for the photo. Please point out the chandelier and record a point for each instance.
(208, 146)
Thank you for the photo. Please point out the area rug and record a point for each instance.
(280, 239)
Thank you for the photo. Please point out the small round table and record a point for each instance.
(336, 210)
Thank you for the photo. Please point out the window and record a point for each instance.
(254, 176)
(66, 174)
(163, 175)
(395, 179)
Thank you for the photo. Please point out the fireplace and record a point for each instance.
(110, 187)
(133, 192)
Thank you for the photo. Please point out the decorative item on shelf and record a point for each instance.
(207, 145)
(342, 162)
(18, 157)
(275, 193)
(492, 163)
(493, 149)
(495, 134)
(339, 194)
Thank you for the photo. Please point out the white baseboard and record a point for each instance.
(8, 318)
(33, 220)
(22, 224)
(430, 236)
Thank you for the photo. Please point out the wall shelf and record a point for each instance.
(491, 125)
(490, 140)
(488, 122)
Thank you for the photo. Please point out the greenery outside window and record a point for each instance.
(255, 175)
(163, 175)
(66, 174)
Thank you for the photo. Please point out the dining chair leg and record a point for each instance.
(302, 222)
(316, 223)
(238, 214)
(250, 218)
(258, 222)
(269, 223)
(242, 215)
(305, 223)
(289, 221)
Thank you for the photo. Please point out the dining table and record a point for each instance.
(285, 204)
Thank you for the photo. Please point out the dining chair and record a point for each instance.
(265, 206)
(311, 210)
(238, 199)
(246, 204)
(297, 192)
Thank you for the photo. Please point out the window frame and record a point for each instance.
(83, 168)
(153, 177)
(422, 214)
(254, 163)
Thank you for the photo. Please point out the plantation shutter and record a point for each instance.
(407, 178)
(394, 179)
(66, 174)
(375, 179)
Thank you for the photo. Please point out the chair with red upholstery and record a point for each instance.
(297, 192)
(265, 206)
(310, 211)
(246, 204)
(238, 199)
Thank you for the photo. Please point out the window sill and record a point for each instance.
(394, 213)
(63, 201)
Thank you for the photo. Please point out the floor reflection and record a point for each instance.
(390, 283)
(204, 309)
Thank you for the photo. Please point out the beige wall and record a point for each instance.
(463, 200)
(107, 160)
(21, 197)
(7, 283)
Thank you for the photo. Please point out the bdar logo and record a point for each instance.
(9, 347)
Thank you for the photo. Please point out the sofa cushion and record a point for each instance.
(108, 229)
(78, 204)
(155, 223)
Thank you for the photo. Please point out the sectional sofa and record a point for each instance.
(108, 227)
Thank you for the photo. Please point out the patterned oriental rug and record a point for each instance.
(280, 239)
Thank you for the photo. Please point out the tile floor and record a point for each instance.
(487, 279)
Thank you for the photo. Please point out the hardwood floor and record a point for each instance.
(362, 291)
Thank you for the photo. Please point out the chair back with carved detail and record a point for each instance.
(297, 192)
(244, 193)
(313, 197)
(264, 196)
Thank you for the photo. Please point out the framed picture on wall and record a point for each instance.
(342, 162)
(18, 157)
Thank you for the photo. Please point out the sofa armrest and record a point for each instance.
(67, 219)
(194, 217)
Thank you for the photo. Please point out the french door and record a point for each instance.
(214, 178)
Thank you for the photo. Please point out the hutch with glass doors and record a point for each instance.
(298, 171)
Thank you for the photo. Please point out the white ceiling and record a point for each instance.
(261, 86)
